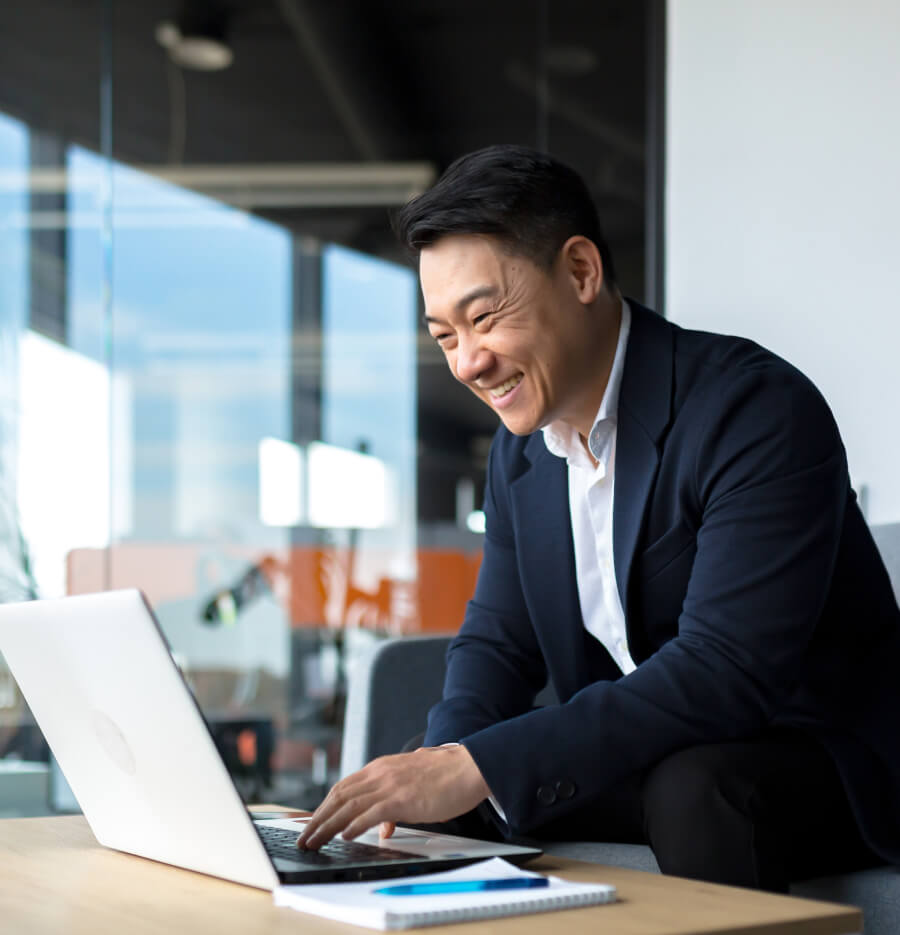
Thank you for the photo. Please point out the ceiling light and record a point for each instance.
(197, 44)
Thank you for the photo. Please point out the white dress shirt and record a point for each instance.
(591, 510)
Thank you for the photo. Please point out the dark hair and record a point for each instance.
(529, 201)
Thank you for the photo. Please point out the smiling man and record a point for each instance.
(672, 543)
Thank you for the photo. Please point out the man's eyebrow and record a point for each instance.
(479, 292)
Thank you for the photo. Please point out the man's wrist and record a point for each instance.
(489, 797)
(452, 743)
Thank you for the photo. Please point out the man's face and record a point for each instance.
(515, 334)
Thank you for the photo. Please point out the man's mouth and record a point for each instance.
(498, 392)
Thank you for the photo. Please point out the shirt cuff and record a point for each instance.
(498, 809)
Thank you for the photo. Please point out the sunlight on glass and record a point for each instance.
(64, 456)
(347, 490)
(280, 483)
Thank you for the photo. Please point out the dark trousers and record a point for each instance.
(761, 812)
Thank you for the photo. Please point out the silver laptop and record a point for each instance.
(100, 680)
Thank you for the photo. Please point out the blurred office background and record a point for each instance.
(214, 381)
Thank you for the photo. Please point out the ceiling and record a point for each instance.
(356, 81)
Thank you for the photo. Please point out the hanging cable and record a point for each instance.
(177, 113)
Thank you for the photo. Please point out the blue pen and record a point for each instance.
(463, 886)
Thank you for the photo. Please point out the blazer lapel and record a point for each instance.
(540, 502)
(645, 405)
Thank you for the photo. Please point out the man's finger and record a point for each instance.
(386, 830)
(352, 817)
(366, 820)
(336, 822)
(345, 793)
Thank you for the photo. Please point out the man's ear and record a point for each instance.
(583, 266)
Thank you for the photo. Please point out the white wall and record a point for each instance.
(783, 200)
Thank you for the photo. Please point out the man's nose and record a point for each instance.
(472, 360)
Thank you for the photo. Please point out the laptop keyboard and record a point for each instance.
(281, 842)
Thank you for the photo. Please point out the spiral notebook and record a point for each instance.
(361, 904)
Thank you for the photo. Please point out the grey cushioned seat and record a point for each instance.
(392, 687)
(876, 892)
(632, 856)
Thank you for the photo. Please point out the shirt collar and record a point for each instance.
(564, 442)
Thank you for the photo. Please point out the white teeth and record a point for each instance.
(504, 388)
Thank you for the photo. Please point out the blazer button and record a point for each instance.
(565, 788)
(546, 795)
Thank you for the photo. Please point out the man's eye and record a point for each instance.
(480, 318)
(440, 338)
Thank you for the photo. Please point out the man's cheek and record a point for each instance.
(482, 396)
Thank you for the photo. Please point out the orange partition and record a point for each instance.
(318, 586)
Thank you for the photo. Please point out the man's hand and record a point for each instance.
(429, 784)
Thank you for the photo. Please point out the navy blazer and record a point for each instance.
(753, 593)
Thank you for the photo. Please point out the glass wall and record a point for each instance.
(214, 382)
(152, 443)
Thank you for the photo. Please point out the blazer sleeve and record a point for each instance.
(767, 466)
(494, 665)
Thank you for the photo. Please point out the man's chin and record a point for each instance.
(519, 426)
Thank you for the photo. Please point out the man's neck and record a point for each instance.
(610, 315)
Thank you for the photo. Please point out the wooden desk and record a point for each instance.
(55, 878)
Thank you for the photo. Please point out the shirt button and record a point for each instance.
(546, 795)
(565, 788)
